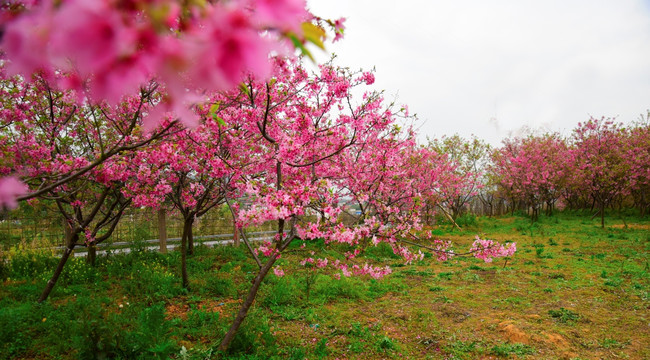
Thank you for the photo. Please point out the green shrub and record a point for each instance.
(564, 315)
(27, 264)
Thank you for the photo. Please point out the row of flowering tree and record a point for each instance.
(602, 164)
(297, 149)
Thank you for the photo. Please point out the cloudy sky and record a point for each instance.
(491, 68)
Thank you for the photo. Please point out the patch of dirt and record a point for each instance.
(176, 311)
(556, 340)
(217, 306)
(632, 226)
(181, 310)
(533, 317)
(513, 333)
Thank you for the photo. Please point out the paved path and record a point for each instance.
(172, 243)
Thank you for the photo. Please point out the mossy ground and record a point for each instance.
(572, 291)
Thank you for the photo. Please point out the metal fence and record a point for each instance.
(46, 229)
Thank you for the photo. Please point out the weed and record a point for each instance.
(564, 316)
(321, 350)
(220, 286)
(613, 282)
(281, 291)
(506, 350)
(463, 349)
(609, 343)
(445, 275)
(540, 253)
(386, 344)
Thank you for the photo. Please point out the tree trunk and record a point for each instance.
(187, 226)
(235, 234)
(602, 214)
(190, 240)
(162, 230)
(71, 241)
(92, 254)
(243, 310)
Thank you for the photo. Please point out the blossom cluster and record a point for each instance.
(110, 48)
(486, 249)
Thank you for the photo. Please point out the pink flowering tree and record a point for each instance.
(39, 121)
(74, 155)
(190, 172)
(599, 162)
(312, 150)
(91, 210)
(532, 170)
(298, 125)
(383, 178)
(637, 154)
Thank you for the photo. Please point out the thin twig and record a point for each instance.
(243, 235)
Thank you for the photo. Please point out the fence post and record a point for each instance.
(235, 234)
(162, 230)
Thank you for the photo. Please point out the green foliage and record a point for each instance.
(564, 316)
(254, 336)
(506, 350)
(28, 264)
(7, 241)
(380, 252)
(466, 220)
(78, 271)
(386, 344)
(152, 280)
(281, 291)
(157, 318)
(445, 275)
(321, 351)
(220, 285)
(327, 289)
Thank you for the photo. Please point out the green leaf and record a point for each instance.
(314, 34)
(213, 113)
(298, 45)
(244, 89)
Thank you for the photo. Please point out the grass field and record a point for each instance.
(572, 291)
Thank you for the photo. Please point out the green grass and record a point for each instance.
(572, 290)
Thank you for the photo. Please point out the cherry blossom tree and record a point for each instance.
(190, 170)
(533, 170)
(72, 154)
(599, 162)
(313, 149)
(301, 124)
(637, 154)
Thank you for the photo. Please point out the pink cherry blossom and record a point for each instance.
(10, 189)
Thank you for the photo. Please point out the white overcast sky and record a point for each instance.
(490, 67)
